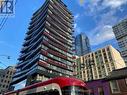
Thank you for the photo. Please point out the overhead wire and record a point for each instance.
(4, 20)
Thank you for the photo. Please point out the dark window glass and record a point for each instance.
(2, 80)
(74, 90)
(100, 91)
(50, 92)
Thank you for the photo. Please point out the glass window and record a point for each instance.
(50, 92)
(91, 91)
(100, 91)
(74, 90)
(114, 86)
(126, 81)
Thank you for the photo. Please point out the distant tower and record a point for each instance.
(47, 50)
(82, 44)
(120, 31)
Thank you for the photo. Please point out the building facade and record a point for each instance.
(98, 87)
(47, 50)
(117, 81)
(82, 45)
(114, 84)
(6, 78)
(98, 64)
(120, 31)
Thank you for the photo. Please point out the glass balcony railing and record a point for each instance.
(38, 13)
(60, 13)
(31, 62)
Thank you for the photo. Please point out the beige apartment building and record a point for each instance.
(6, 78)
(99, 64)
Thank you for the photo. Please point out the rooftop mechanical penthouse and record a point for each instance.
(47, 49)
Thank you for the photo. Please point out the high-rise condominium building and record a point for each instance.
(82, 45)
(47, 50)
(120, 31)
(6, 78)
(99, 64)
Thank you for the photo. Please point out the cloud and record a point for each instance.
(76, 16)
(103, 31)
(102, 34)
(114, 3)
(75, 25)
(103, 12)
(77, 29)
(93, 7)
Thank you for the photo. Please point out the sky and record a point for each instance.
(95, 18)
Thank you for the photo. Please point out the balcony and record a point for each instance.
(56, 19)
(35, 44)
(37, 36)
(26, 42)
(24, 49)
(57, 25)
(22, 64)
(55, 48)
(49, 43)
(34, 52)
(60, 13)
(53, 39)
(58, 38)
(37, 24)
(64, 9)
(39, 16)
(38, 12)
(19, 79)
(57, 54)
(66, 31)
(47, 67)
(23, 56)
(53, 58)
(31, 62)
(20, 73)
(58, 16)
(60, 35)
(51, 28)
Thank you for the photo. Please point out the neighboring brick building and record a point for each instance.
(118, 82)
(114, 84)
(99, 87)
(6, 78)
